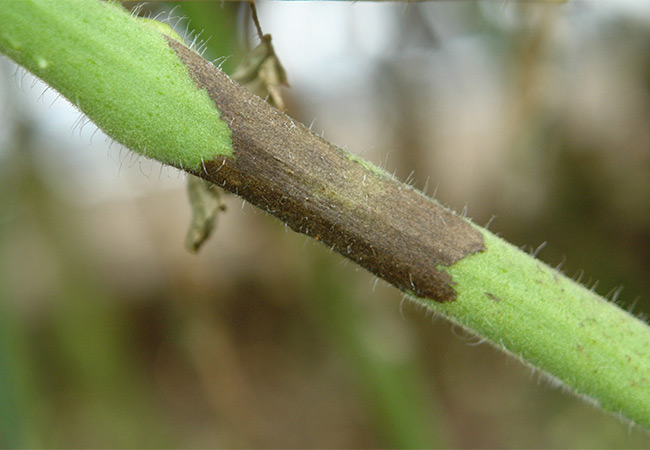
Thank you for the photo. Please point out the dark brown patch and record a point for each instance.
(492, 297)
(317, 189)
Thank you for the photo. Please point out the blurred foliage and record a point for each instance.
(111, 335)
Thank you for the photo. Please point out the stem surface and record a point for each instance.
(208, 125)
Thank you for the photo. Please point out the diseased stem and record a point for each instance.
(448, 264)
(324, 192)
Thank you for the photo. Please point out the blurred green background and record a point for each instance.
(112, 335)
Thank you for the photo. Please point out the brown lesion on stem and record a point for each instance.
(317, 189)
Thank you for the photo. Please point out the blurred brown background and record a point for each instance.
(112, 335)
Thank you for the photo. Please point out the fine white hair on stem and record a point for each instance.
(157, 16)
(195, 39)
(382, 163)
(77, 123)
(595, 285)
(539, 248)
(170, 15)
(221, 60)
(405, 298)
(614, 293)
(142, 161)
(135, 12)
(435, 190)
(203, 46)
(160, 171)
(47, 88)
(133, 158)
(93, 135)
(120, 159)
(410, 178)
(426, 186)
(19, 77)
(578, 276)
(178, 21)
(489, 222)
(479, 341)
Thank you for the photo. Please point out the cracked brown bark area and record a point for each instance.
(318, 189)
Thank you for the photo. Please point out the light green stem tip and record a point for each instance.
(91, 51)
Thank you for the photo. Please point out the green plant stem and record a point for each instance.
(119, 72)
(453, 267)
(555, 325)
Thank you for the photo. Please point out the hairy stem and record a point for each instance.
(221, 132)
